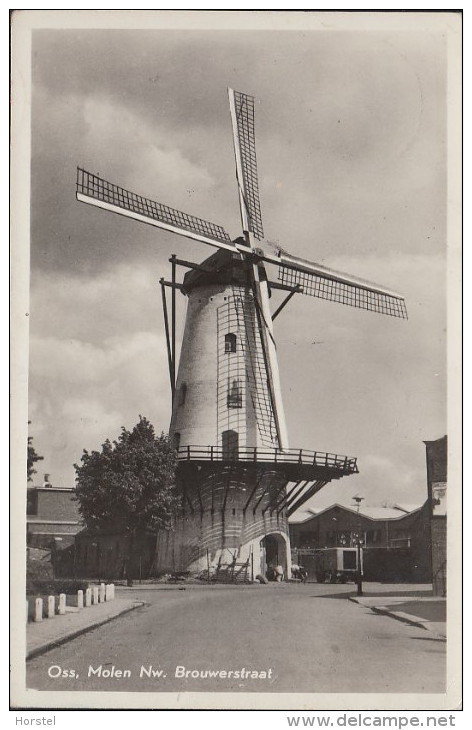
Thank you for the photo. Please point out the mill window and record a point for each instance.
(235, 397)
(230, 342)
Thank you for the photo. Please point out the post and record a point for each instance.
(88, 597)
(252, 564)
(62, 604)
(102, 593)
(80, 599)
(51, 606)
(358, 501)
(359, 567)
(173, 257)
(166, 326)
(95, 595)
(38, 609)
(208, 566)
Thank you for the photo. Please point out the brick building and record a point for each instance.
(396, 540)
(52, 516)
(436, 474)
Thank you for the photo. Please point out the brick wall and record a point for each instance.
(52, 512)
(436, 469)
(439, 555)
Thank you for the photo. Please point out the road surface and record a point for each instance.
(261, 638)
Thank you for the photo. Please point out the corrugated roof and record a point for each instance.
(372, 513)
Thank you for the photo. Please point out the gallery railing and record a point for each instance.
(345, 464)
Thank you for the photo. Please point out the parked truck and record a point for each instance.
(336, 565)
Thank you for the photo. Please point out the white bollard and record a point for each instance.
(38, 609)
(112, 591)
(80, 599)
(108, 592)
(51, 606)
(94, 594)
(62, 604)
(102, 593)
(88, 597)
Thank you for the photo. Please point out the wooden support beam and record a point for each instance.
(190, 265)
(197, 482)
(310, 493)
(173, 285)
(283, 503)
(258, 481)
(284, 486)
(264, 492)
(166, 325)
(189, 502)
(282, 287)
(286, 301)
(297, 496)
(173, 257)
(228, 481)
(271, 507)
(278, 503)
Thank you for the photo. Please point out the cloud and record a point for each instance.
(350, 133)
(90, 375)
(151, 161)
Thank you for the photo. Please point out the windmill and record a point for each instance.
(238, 478)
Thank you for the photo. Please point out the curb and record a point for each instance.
(406, 618)
(400, 616)
(53, 643)
(409, 619)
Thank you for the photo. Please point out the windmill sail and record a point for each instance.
(103, 194)
(247, 369)
(319, 281)
(242, 116)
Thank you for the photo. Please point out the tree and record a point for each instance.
(32, 458)
(129, 486)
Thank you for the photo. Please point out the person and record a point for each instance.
(279, 573)
(299, 573)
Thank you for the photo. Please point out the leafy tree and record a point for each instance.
(33, 457)
(129, 485)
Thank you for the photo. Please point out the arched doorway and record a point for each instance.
(273, 553)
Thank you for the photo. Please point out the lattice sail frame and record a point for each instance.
(351, 294)
(238, 315)
(244, 108)
(94, 187)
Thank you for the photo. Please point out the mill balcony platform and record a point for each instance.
(295, 463)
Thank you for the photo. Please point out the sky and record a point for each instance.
(352, 154)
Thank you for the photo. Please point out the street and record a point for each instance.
(260, 638)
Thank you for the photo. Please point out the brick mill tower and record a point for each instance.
(238, 478)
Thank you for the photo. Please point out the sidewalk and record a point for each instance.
(48, 633)
(428, 613)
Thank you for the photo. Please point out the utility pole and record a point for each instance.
(357, 499)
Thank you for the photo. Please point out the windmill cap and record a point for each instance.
(223, 267)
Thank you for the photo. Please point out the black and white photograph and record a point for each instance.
(236, 368)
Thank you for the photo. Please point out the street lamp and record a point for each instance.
(358, 543)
